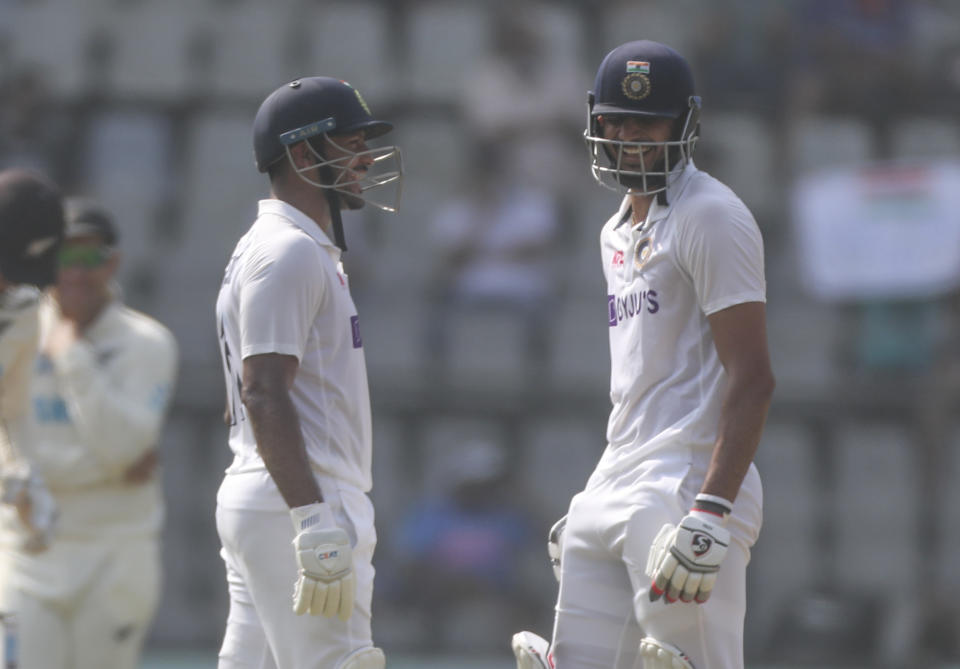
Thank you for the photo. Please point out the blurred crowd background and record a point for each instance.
(482, 301)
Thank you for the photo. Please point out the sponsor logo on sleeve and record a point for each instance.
(355, 329)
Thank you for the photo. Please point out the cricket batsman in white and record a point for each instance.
(293, 514)
(652, 554)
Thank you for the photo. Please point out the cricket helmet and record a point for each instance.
(31, 227)
(645, 79)
(313, 109)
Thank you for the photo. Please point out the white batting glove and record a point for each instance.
(326, 584)
(684, 559)
(531, 651)
(555, 545)
(662, 655)
(36, 509)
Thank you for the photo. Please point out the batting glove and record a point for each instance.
(36, 509)
(555, 545)
(662, 655)
(684, 559)
(531, 651)
(326, 583)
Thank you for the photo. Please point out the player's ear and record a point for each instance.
(302, 155)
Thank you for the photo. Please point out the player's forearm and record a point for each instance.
(742, 419)
(276, 428)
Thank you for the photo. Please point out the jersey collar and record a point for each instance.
(297, 217)
(675, 188)
(658, 212)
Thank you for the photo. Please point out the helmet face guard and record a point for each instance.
(645, 80)
(386, 171)
(607, 155)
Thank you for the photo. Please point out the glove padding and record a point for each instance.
(684, 559)
(326, 583)
(555, 545)
(663, 655)
(531, 651)
(35, 507)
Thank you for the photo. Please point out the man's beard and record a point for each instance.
(653, 177)
(651, 182)
(350, 201)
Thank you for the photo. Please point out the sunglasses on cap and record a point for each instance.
(87, 257)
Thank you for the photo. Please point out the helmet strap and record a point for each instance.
(333, 202)
(336, 220)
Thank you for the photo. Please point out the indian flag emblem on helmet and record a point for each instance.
(641, 66)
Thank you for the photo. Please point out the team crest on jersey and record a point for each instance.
(642, 251)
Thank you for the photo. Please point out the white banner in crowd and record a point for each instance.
(879, 231)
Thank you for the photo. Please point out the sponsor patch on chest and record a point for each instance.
(621, 308)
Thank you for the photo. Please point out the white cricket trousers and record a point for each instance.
(99, 622)
(262, 630)
(603, 607)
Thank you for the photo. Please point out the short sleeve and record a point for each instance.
(280, 295)
(721, 250)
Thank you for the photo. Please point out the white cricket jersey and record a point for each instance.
(19, 329)
(699, 254)
(96, 409)
(284, 291)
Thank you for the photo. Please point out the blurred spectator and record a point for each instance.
(936, 52)
(852, 57)
(739, 60)
(35, 133)
(463, 554)
(527, 98)
(495, 247)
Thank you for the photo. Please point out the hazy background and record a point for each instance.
(148, 105)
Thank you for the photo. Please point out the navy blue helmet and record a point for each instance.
(316, 110)
(646, 79)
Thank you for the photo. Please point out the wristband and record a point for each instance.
(309, 515)
(713, 504)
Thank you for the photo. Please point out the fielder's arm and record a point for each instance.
(119, 422)
(19, 333)
(267, 379)
(740, 335)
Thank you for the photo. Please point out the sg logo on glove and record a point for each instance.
(701, 543)
(684, 559)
